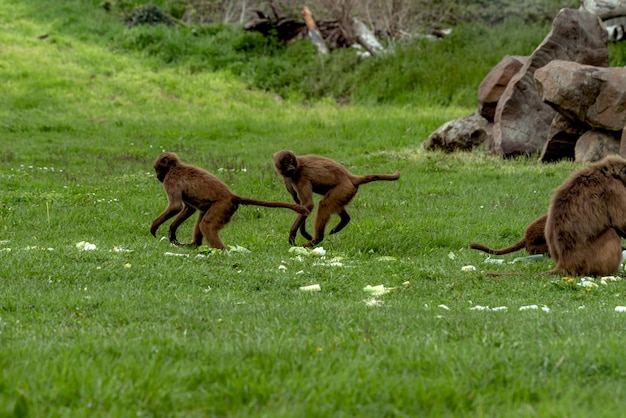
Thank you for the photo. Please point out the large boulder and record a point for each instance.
(491, 88)
(592, 95)
(462, 134)
(522, 120)
(594, 145)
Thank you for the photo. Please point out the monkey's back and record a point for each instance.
(581, 207)
(198, 187)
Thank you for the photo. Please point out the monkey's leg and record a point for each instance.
(333, 202)
(305, 234)
(215, 218)
(196, 236)
(182, 217)
(344, 219)
(297, 224)
(600, 257)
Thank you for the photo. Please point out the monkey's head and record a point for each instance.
(164, 163)
(286, 163)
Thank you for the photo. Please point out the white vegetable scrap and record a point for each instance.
(373, 302)
(444, 307)
(311, 288)
(490, 260)
(620, 309)
(238, 249)
(487, 308)
(468, 268)
(376, 290)
(170, 254)
(85, 246)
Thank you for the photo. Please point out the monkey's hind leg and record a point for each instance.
(215, 218)
(344, 219)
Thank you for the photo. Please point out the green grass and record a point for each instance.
(129, 330)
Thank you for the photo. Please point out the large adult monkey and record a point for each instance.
(586, 219)
(304, 175)
(191, 188)
(534, 240)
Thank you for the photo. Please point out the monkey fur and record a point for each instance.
(586, 219)
(534, 240)
(190, 189)
(305, 175)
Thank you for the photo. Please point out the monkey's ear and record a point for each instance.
(165, 160)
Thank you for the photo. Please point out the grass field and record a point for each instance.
(137, 327)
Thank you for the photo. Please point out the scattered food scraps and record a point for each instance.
(85, 246)
(468, 268)
(311, 288)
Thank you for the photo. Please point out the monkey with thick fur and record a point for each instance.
(534, 240)
(304, 175)
(190, 189)
(586, 219)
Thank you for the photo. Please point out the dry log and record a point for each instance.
(314, 34)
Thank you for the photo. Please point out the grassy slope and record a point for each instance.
(143, 333)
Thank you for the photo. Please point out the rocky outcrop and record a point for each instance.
(522, 120)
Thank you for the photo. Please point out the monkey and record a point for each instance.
(190, 189)
(304, 175)
(587, 219)
(534, 240)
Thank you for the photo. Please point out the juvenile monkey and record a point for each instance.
(534, 240)
(304, 175)
(586, 219)
(191, 188)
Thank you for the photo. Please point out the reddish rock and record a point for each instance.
(491, 88)
(522, 120)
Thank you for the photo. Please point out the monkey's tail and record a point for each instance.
(517, 246)
(358, 180)
(247, 201)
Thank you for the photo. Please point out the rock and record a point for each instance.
(491, 88)
(462, 134)
(592, 95)
(562, 137)
(522, 121)
(594, 145)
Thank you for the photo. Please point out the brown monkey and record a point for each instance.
(304, 175)
(586, 219)
(534, 240)
(191, 188)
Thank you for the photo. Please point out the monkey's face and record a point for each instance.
(163, 164)
(287, 164)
